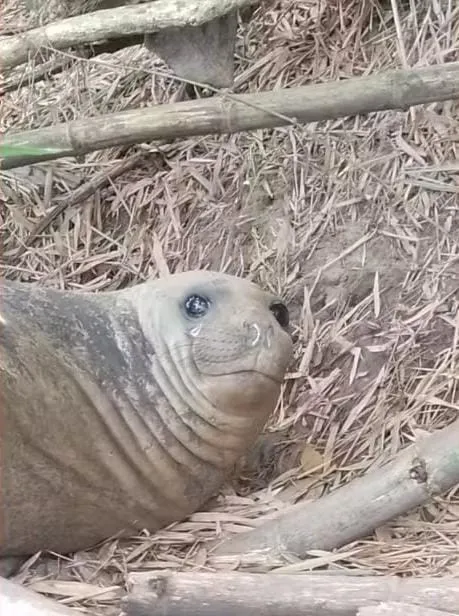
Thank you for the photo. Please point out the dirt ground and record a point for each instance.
(354, 221)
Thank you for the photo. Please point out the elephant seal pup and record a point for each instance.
(126, 410)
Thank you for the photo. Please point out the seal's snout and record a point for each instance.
(254, 334)
(261, 335)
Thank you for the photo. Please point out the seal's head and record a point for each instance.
(221, 340)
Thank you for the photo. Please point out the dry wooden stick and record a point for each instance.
(429, 467)
(229, 114)
(394, 608)
(113, 23)
(251, 594)
(17, 600)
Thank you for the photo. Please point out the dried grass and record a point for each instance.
(355, 221)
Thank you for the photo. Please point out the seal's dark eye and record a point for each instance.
(196, 306)
(280, 311)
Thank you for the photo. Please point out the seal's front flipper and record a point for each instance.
(199, 53)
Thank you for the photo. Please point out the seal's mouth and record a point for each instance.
(247, 373)
(270, 377)
(246, 392)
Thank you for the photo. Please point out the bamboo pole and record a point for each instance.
(399, 89)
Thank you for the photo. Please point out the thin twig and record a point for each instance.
(80, 194)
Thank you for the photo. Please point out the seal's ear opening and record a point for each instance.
(281, 313)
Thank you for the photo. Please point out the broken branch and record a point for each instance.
(429, 467)
(80, 194)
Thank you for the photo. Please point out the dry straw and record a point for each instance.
(355, 221)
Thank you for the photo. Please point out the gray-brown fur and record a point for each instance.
(120, 412)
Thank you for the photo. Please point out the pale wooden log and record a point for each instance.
(17, 600)
(122, 21)
(252, 594)
(423, 470)
(398, 89)
(401, 609)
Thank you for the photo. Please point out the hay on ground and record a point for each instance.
(354, 221)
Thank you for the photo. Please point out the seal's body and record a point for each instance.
(125, 410)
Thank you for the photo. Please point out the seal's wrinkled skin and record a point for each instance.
(125, 410)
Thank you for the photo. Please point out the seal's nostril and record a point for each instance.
(255, 334)
(280, 311)
(269, 336)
